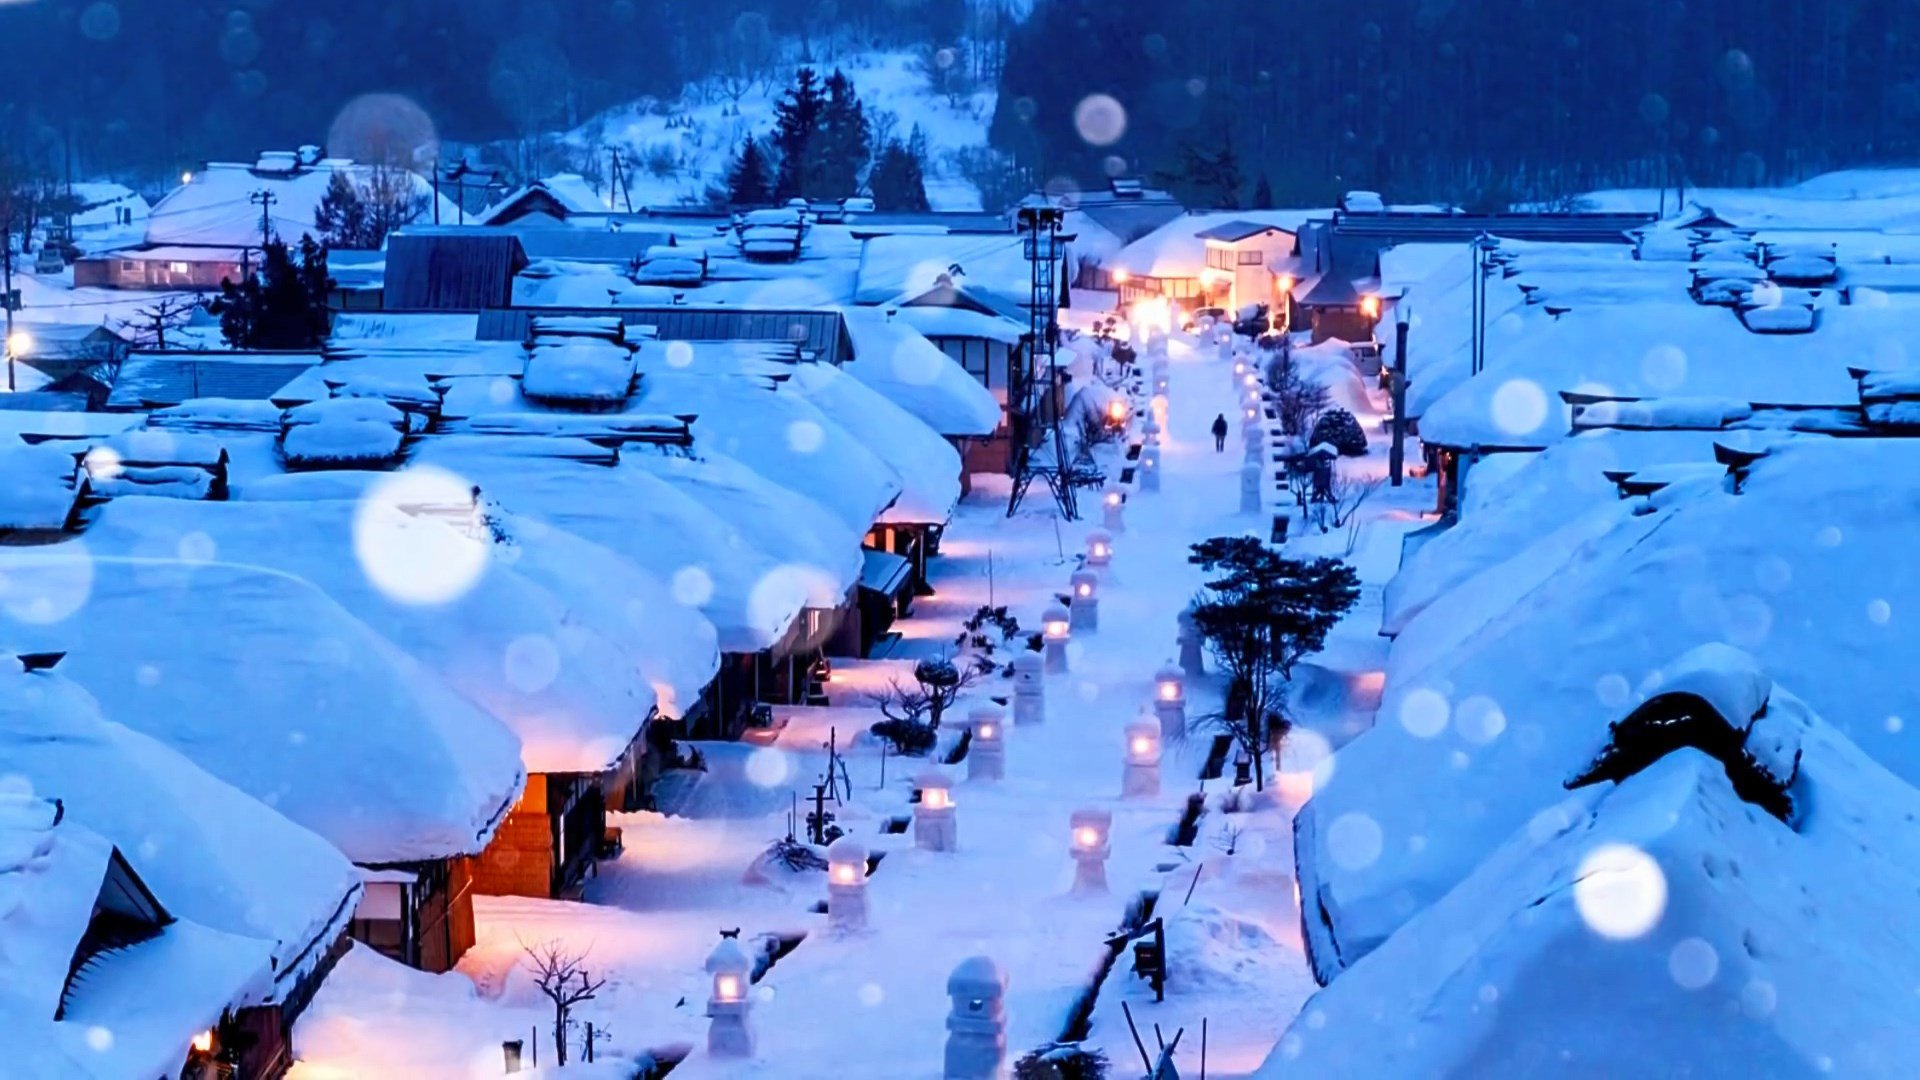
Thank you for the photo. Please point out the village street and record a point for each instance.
(1228, 899)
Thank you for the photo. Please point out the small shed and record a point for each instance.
(452, 269)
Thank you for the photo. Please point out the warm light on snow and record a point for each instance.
(1086, 837)
(1621, 891)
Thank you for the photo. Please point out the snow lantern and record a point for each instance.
(1192, 645)
(987, 754)
(1170, 701)
(976, 1020)
(1113, 503)
(1150, 469)
(847, 885)
(1141, 778)
(1090, 846)
(1151, 431)
(1029, 689)
(933, 823)
(1251, 476)
(1055, 631)
(1239, 370)
(729, 1035)
(1099, 549)
(1118, 412)
(1085, 612)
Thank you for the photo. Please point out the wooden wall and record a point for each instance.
(519, 861)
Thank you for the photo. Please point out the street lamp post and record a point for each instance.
(1397, 456)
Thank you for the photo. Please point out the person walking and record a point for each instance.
(1220, 433)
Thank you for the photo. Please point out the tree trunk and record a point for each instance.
(560, 1034)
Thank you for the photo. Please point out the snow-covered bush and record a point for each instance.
(1061, 1061)
(1338, 429)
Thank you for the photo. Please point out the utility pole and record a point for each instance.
(6, 289)
(620, 178)
(1397, 457)
(264, 199)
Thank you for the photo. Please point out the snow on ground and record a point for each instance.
(651, 915)
(677, 165)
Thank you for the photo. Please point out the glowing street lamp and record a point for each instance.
(987, 754)
(1370, 306)
(1084, 586)
(1099, 549)
(728, 1034)
(847, 885)
(1055, 631)
(934, 828)
(1121, 277)
(1090, 830)
(1141, 777)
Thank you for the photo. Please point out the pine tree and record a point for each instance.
(796, 123)
(281, 306)
(896, 182)
(750, 181)
(1263, 194)
(341, 217)
(845, 142)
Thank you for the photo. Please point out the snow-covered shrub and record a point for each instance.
(913, 738)
(1338, 428)
(1061, 1061)
(796, 856)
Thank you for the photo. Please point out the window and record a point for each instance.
(1219, 258)
(180, 268)
(128, 266)
(1252, 258)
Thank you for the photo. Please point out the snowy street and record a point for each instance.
(1232, 925)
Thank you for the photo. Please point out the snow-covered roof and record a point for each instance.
(892, 355)
(267, 683)
(1674, 349)
(151, 379)
(215, 207)
(54, 873)
(1661, 925)
(933, 320)
(1499, 689)
(748, 594)
(894, 269)
(201, 844)
(573, 697)
(1179, 250)
(585, 372)
(39, 485)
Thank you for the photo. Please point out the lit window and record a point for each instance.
(180, 268)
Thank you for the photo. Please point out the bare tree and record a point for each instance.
(747, 54)
(562, 975)
(1348, 493)
(166, 313)
(1301, 402)
(1300, 483)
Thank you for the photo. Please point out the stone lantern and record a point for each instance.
(1029, 689)
(1192, 646)
(1091, 832)
(1170, 701)
(729, 1035)
(1252, 474)
(1141, 779)
(1099, 549)
(1239, 371)
(1113, 504)
(1085, 612)
(987, 752)
(847, 885)
(1150, 469)
(1056, 630)
(934, 828)
(976, 1021)
(1150, 432)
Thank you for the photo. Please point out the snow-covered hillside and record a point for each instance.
(678, 150)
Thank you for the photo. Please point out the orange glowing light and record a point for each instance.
(1113, 498)
(1056, 630)
(203, 1042)
(1099, 551)
(1116, 410)
(1370, 307)
(1086, 837)
(1142, 746)
(727, 987)
(845, 874)
(988, 732)
(1084, 589)
(1286, 283)
(1121, 277)
(1169, 690)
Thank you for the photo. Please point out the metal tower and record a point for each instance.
(1033, 398)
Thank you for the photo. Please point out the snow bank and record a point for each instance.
(270, 685)
(1499, 690)
(200, 844)
(38, 486)
(928, 465)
